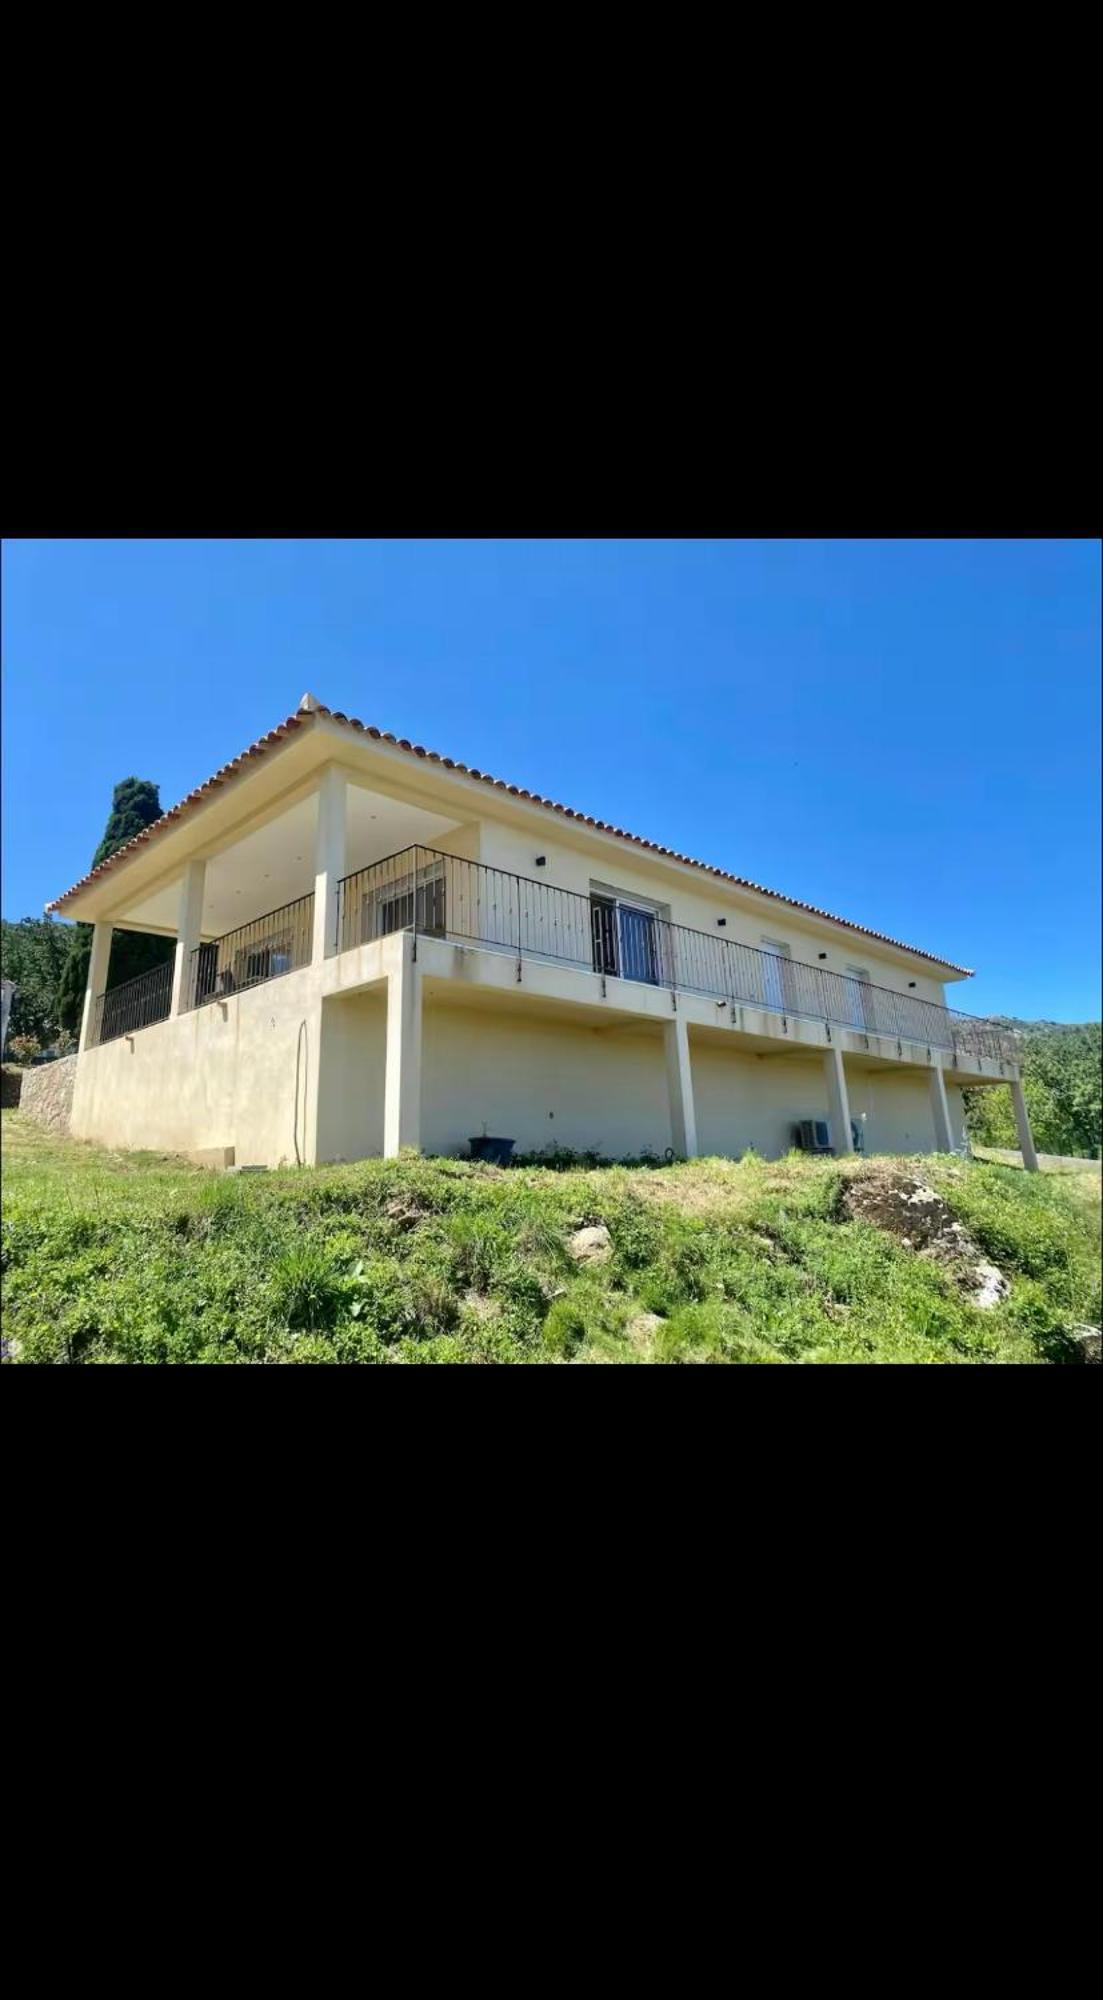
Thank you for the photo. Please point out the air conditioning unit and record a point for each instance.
(813, 1136)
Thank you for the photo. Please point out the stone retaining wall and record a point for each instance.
(47, 1094)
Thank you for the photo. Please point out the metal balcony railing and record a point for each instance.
(137, 1003)
(441, 895)
(271, 945)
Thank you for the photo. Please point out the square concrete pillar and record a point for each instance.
(402, 1083)
(329, 859)
(189, 933)
(940, 1110)
(838, 1101)
(1022, 1126)
(679, 1083)
(97, 981)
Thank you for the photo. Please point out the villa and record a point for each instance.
(378, 948)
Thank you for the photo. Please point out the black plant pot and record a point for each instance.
(497, 1151)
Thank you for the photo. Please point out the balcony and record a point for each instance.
(279, 942)
(441, 896)
(137, 1003)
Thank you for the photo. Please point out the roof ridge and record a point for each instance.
(310, 706)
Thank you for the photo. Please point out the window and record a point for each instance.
(859, 997)
(391, 906)
(265, 958)
(627, 937)
(777, 976)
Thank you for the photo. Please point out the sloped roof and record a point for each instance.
(309, 707)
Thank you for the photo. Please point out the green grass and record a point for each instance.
(111, 1257)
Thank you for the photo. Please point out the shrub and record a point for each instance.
(310, 1348)
(433, 1306)
(479, 1248)
(564, 1329)
(305, 1289)
(23, 1048)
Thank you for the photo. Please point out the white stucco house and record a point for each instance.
(377, 947)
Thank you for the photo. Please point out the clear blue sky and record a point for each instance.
(905, 732)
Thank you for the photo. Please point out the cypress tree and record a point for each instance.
(135, 804)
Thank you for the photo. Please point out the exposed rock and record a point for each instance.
(991, 1285)
(591, 1246)
(925, 1223)
(406, 1214)
(1088, 1339)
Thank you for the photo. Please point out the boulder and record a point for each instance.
(591, 1246)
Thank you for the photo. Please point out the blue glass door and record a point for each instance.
(638, 954)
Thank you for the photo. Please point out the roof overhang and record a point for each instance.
(282, 766)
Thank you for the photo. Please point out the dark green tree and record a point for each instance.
(135, 804)
(1061, 1084)
(32, 955)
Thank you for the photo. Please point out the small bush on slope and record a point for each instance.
(140, 1258)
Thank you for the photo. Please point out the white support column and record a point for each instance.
(97, 980)
(679, 1082)
(329, 859)
(402, 1084)
(838, 1100)
(1022, 1125)
(940, 1110)
(189, 932)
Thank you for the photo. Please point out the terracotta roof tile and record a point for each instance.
(293, 722)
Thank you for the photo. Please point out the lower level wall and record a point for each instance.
(956, 1102)
(541, 1083)
(752, 1102)
(546, 1082)
(241, 1072)
(278, 1071)
(894, 1112)
(351, 1076)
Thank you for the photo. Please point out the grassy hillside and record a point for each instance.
(139, 1257)
(1062, 1070)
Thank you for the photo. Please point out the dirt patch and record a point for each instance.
(695, 1190)
(642, 1329)
(483, 1308)
(919, 1218)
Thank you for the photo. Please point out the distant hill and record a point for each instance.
(1062, 1062)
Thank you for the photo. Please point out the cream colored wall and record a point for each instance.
(541, 1083)
(572, 868)
(898, 1115)
(351, 1076)
(233, 1073)
(240, 1072)
(748, 1101)
(465, 841)
(956, 1103)
(607, 1091)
